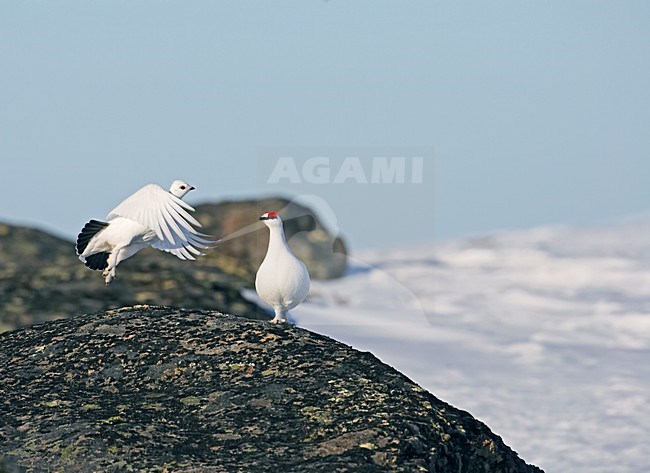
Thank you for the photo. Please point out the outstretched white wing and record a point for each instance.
(167, 216)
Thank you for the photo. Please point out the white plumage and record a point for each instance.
(282, 280)
(151, 216)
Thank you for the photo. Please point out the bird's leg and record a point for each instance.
(111, 275)
(280, 315)
(110, 271)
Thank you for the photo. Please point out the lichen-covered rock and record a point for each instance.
(163, 389)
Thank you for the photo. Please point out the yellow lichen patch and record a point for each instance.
(269, 336)
(489, 444)
(365, 439)
(316, 414)
(56, 403)
(368, 446)
(71, 452)
(191, 401)
(172, 373)
(227, 436)
(112, 420)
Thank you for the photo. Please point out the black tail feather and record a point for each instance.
(97, 261)
(89, 230)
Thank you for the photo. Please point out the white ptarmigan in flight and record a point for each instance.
(151, 216)
(282, 280)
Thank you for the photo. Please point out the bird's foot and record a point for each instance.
(278, 320)
(109, 274)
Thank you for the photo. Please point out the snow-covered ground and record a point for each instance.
(543, 334)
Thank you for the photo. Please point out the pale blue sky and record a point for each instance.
(537, 112)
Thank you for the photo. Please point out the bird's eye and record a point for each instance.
(182, 188)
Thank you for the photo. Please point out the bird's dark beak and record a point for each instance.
(192, 188)
(264, 218)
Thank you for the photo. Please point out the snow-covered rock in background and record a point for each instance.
(543, 334)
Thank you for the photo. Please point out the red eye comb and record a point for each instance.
(269, 216)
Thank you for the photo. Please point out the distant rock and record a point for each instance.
(42, 279)
(324, 253)
(163, 389)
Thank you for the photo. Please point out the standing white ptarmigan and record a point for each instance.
(151, 216)
(282, 280)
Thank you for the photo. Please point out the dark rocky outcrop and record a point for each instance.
(163, 389)
(42, 279)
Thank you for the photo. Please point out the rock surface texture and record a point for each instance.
(163, 389)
